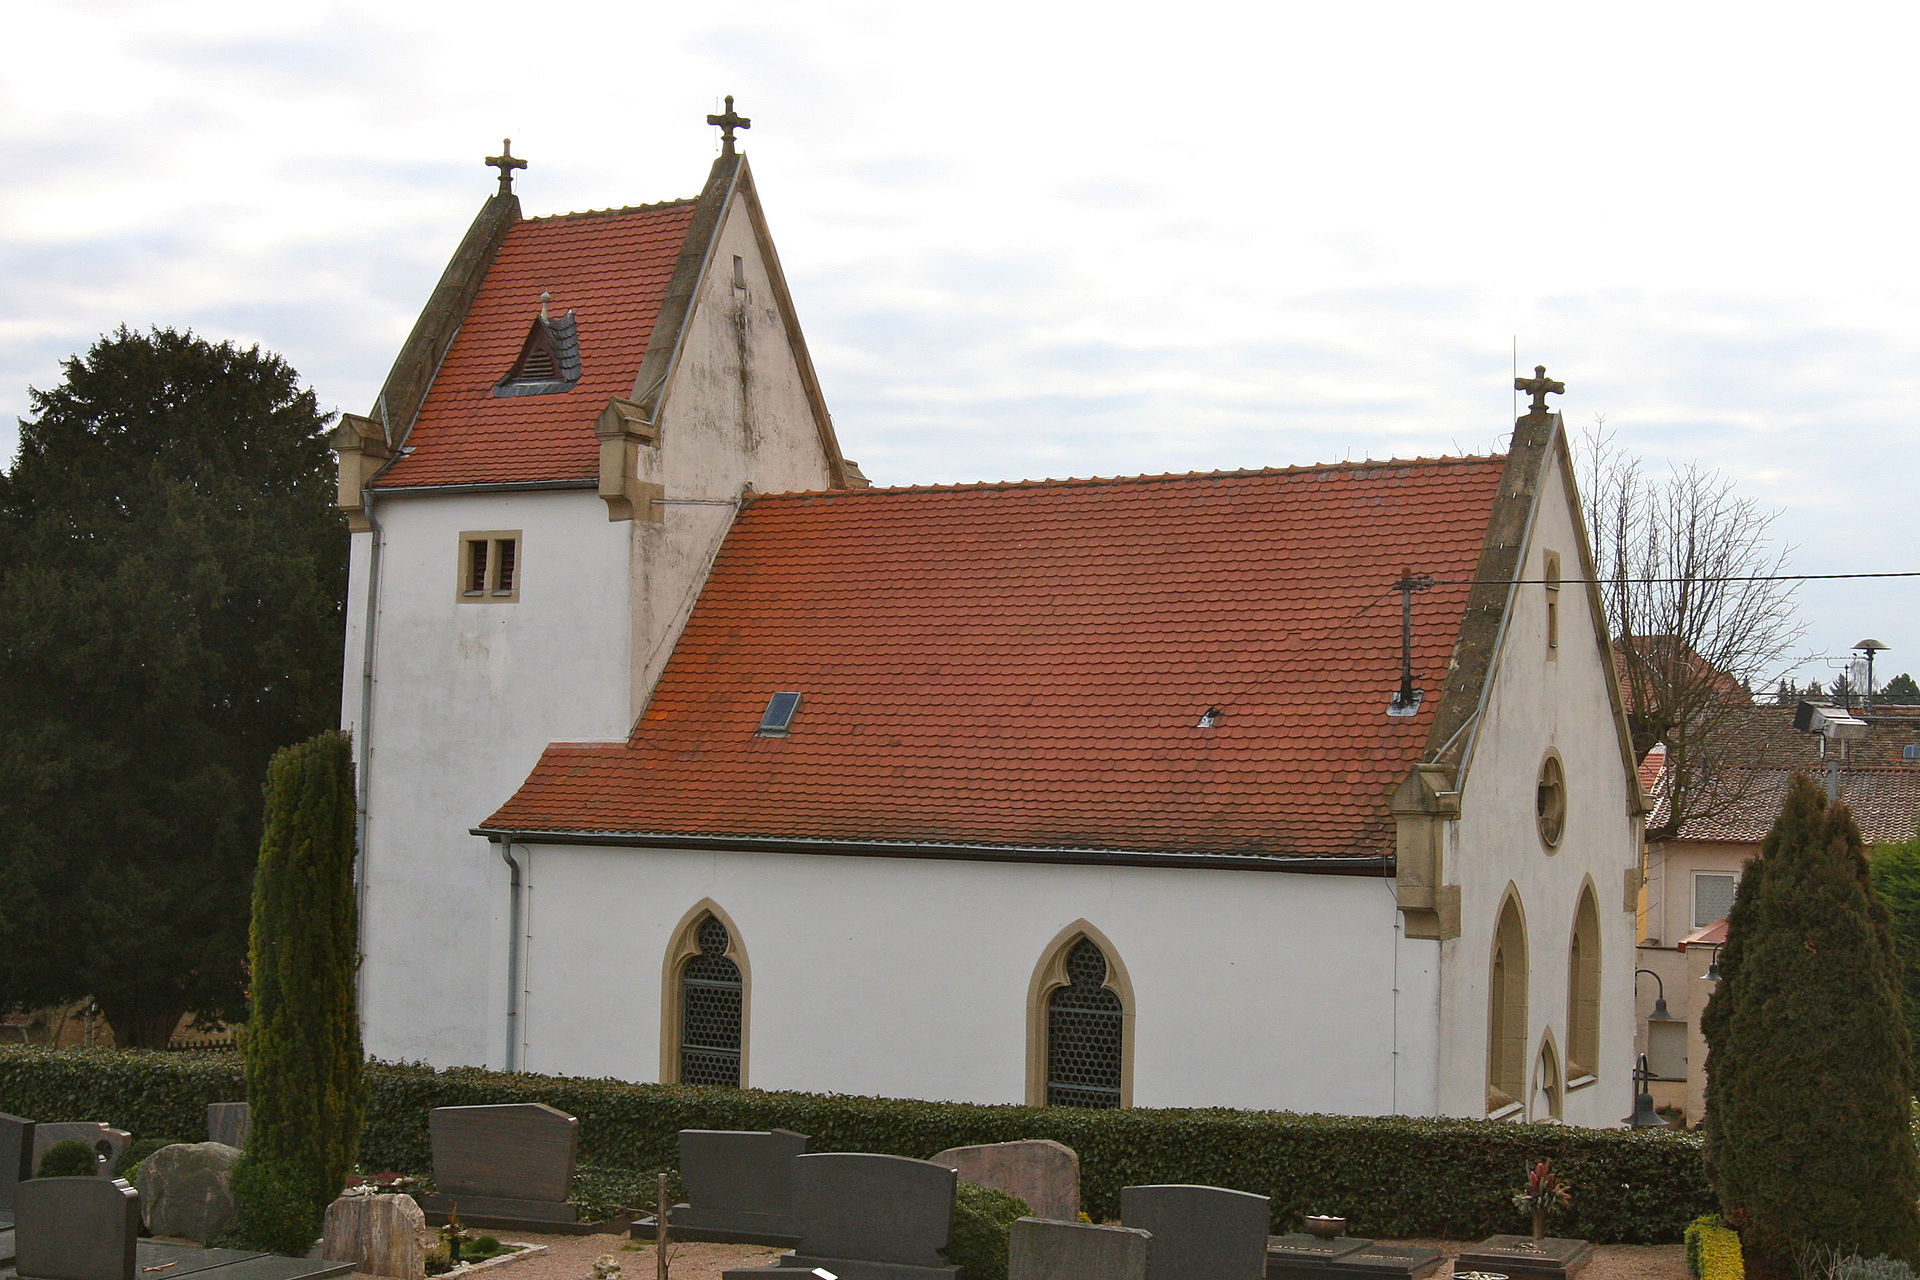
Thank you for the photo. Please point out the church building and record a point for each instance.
(685, 755)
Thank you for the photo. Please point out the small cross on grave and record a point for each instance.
(728, 123)
(1539, 386)
(506, 162)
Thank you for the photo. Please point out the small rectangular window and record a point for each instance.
(490, 566)
(779, 715)
(739, 272)
(1712, 897)
(1550, 574)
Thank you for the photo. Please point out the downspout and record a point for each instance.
(513, 954)
(363, 737)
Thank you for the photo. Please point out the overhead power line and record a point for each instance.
(1608, 582)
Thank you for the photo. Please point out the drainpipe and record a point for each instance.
(513, 953)
(363, 738)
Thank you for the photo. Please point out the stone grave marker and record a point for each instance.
(869, 1217)
(1038, 1249)
(380, 1235)
(16, 1156)
(228, 1122)
(508, 1165)
(75, 1229)
(1200, 1233)
(108, 1143)
(1306, 1257)
(1043, 1173)
(186, 1191)
(739, 1186)
(1525, 1258)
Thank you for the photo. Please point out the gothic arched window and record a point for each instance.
(1085, 1033)
(711, 999)
(1507, 1013)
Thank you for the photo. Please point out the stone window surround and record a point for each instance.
(1507, 1010)
(684, 947)
(1049, 976)
(1583, 991)
(490, 594)
(1550, 801)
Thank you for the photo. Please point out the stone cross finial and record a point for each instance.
(506, 162)
(728, 123)
(1539, 386)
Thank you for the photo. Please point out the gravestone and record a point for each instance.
(16, 1157)
(228, 1122)
(186, 1191)
(75, 1229)
(1525, 1258)
(1041, 1172)
(1388, 1262)
(1200, 1233)
(505, 1165)
(380, 1235)
(739, 1186)
(1306, 1257)
(1038, 1249)
(868, 1217)
(108, 1143)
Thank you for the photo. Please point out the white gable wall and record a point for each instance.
(909, 977)
(467, 694)
(1536, 702)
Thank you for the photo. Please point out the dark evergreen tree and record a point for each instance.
(1809, 1066)
(172, 575)
(1895, 871)
(305, 1072)
(1901, 691)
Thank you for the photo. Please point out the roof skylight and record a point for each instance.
(778, 715)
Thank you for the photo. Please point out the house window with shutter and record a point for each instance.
(490, 566)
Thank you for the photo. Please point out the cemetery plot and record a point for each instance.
(1043, 1173)
(868, 1217)
(1200, 1233)
(739, 1186)
(1525, 1258)
(508, 1166)
(1038, 1249)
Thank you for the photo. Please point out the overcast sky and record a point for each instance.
(1034, 239)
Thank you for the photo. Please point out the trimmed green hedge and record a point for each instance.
(1391, 1177)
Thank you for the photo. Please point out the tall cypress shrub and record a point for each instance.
(1809, 1065)
(304, 1066)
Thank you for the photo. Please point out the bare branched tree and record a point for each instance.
(1694, 632)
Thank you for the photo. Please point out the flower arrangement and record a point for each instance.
(1545, 1193)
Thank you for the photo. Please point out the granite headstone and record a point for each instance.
(1043, 1173)
(108, 1143)
(1525, 1258)
(75, 1229)
(739, 1186)
(1200, 1233)
(16, 1156)
(186, 1191)
(228, 1122)
(869, 1217)
(1038, 1249)
(379, 1235)
(510, 1163)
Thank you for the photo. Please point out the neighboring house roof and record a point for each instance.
(1885, 800)
(1025, 665)
(610, 270)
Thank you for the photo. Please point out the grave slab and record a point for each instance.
(228, 1122)
(1305, 1257)
(1040, 1249)
(75, 1229)
(1200, 1233)
(16, 1158)
(739, 1186)
(509, 1165)
(1043, 1173)
(1387, 1261)
(108, 1143)
(1525, 1258)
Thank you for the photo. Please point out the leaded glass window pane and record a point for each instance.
(1083, 1034)
(710, 998)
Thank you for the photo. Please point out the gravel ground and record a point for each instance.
(571, 1258)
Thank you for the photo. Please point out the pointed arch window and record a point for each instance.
(1080, 1027)
(1507, 1014)
(1583, 991)
(1548, 1089)
(704, 1020)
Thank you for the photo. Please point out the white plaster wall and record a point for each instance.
(465, 697)
(909, 977)
(1541, 699)
(735, 413)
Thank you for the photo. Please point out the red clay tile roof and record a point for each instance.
(611, 270)
(1885, 800)
(1025, 665)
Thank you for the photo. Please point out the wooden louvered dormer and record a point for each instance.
(549, 359)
